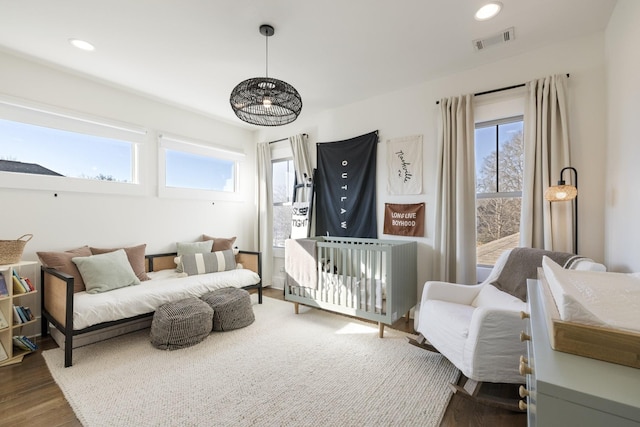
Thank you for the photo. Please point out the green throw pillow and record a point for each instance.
(185, 248)
(211, 262)
(105, 272)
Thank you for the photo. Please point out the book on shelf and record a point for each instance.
(16, 316)
(24, 343)
(4, 291)
(20, 282)
(3, 353)
(29, 284)
(3, 321)
(17, 286)
(24, 314)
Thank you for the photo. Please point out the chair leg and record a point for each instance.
(471, 389)
(421, 341)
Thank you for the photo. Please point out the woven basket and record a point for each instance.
(11, 250)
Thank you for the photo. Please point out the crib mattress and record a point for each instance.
(91, 309)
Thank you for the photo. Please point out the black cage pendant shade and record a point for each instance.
(266, 101)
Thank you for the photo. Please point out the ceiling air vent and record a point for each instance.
(502, 37)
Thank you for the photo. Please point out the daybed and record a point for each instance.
(97, 316)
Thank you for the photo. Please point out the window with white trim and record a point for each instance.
(283, 175)
(499, 175)
(196, 169)
(43, 147)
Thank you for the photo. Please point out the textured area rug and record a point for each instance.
(311, 369)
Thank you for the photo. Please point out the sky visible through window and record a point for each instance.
(187, 170)
(70, 154)
(485, 140)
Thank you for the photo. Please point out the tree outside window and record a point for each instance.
(499, 176)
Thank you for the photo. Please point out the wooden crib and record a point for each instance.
(370, 279)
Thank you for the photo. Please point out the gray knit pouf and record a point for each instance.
(231, 308)
(181, 324)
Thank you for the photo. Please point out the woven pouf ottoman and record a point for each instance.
(181, 324)
(231, 308)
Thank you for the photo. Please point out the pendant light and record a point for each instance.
(266, 101)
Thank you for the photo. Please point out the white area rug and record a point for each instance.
(311, 369)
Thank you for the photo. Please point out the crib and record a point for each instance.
(370, 279)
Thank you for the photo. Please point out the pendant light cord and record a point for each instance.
(266, 37)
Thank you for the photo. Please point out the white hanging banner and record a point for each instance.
(404, 157)
(300, 220)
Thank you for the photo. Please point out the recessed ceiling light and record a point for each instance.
(81, 44)
(488, 11)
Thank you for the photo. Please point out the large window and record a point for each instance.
(31, 149)
(499, 167)
(42, 147)
(283, 181)
(197, 170)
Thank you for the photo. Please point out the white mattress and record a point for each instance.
(595, 298)
(165, 286)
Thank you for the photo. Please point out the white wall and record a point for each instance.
(623, 149)
(73, 219)
(414, 111)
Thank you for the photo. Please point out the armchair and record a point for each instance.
(477, 327)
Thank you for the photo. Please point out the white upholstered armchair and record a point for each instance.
(477, 327)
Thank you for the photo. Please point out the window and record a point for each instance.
(499, 173)
(40, 150)
(283, 174)
(42, 147)
(197, 170)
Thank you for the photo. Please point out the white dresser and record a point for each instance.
(567, 390)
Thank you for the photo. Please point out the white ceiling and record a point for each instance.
(192, 53)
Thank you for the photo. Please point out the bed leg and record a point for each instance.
(380, 329)
(406, 319)
(296, 307)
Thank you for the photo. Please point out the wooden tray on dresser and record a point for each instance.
(611, 345)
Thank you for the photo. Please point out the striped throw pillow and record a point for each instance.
(208, 262)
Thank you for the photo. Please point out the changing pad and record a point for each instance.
(605, 299)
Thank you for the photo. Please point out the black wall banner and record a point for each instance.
(346, 187)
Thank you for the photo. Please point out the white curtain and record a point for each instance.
(455, 225)
(546, 225)
(301, 163)
(265, 211)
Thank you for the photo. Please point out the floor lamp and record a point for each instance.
(564, 193)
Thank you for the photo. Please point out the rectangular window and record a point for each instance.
(192, 169)
(499, 174)
(31, 149)
(48, 148)
(283, 174)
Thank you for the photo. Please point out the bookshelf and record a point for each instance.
(26, 270)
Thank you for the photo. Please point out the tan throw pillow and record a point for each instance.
(220, 244)
(135, 255)
(62, 261)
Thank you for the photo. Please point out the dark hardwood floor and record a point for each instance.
(30, 397)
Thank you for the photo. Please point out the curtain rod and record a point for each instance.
(498, 90)
(284, 139)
